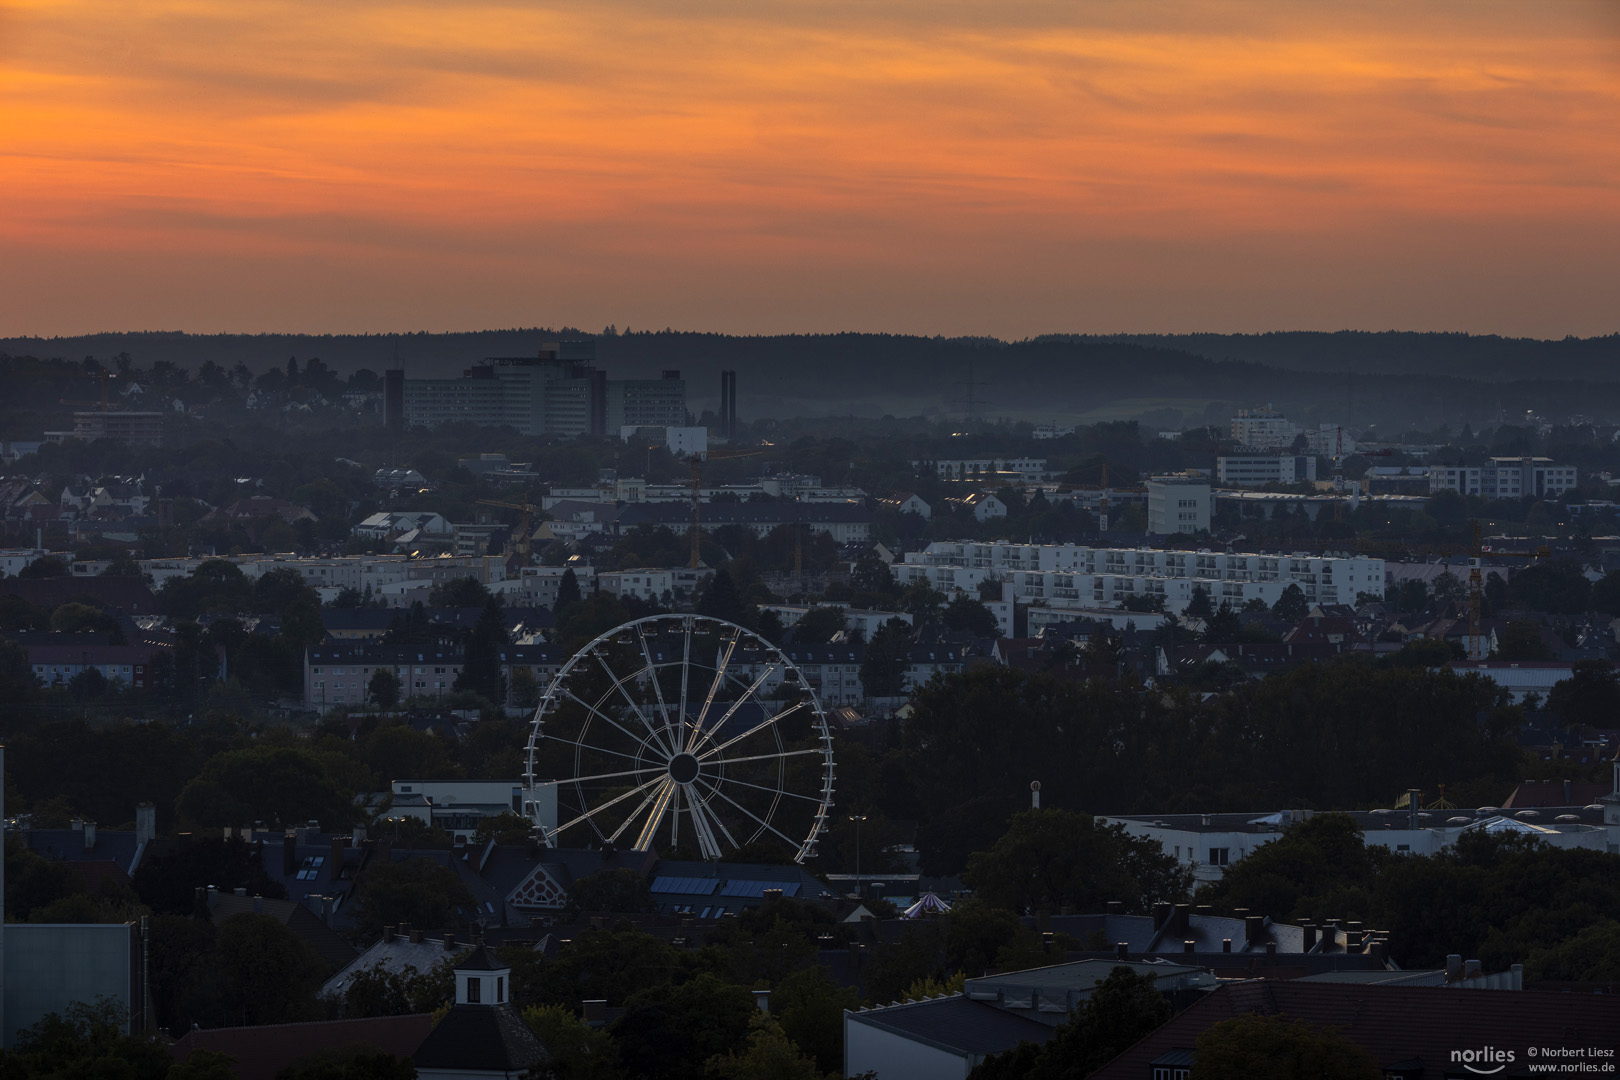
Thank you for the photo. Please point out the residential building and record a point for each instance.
(135, 428)
(56, 666)
(339, 672)
(981, 504)
(1255, 470)
(845, 522)
(1178, 504)
(558, 391)
(263, 1051)
(1263, 429)
(1071, 576)
(907, 502)
(866, 623)
(387, 525)
(647, 403)
(482, 1037)
(1506, 478)
(1031, 470)
(659, 586)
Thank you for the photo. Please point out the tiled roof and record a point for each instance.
(1396, 1024)
(481, 1038)
(956, 1025)
(262, 1052)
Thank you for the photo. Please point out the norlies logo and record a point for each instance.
(1476, 1061)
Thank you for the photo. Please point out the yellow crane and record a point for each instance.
(525, 527)
(695, 461)
(104, 405)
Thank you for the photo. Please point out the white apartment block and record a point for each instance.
(1028, 469)
(1506, 478)
(1263, 429)
(360, 572)
(1178, 504)
(1256, 470)
(1071, 576)
(654, 585)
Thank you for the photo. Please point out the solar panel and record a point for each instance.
(757, 888)
(688, 885)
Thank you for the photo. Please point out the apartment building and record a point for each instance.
(1178, 504)
(339, 672)
(1506, 478)
(1263, 429)
(1256, 470)
(1031, 470)
(1072, 576)
(657, 402)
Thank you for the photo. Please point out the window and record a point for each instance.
(475, 990)
(1219, 856)
(1165, 1072)
(500, 989)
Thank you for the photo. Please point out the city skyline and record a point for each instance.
(938, 169)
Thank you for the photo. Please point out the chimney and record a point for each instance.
(762, 998)
(388, 934)
(1161, 914)
(767, 896)
(1271, 949)
(449, 942)
(76, 824)
(1188, 945)
(145, 823)
(416, 937)
(240, 890)
(1116, 907)
(258, 905)
(1253, 927)
(1240, 913)
(595, 1012)
(1379, 950)
(1203, 910)
(1569, 798)
(1454, 967)
(1310, 936)
(1121, 950)
(1183, 918)
(289, 853)
(359, 837)
(1471, 969)
(334, 861)
(1046, 941)
(89, 836)
(1226, 944)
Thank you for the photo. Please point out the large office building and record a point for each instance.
(1178, 504)
(1256, 470)
(1073, 576)
(558, 391)
(1263, 429)
(1506, 478)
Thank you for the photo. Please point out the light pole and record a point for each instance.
(857, 819)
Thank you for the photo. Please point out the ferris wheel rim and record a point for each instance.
(684, 757)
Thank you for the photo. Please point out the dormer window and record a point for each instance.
(475, 993)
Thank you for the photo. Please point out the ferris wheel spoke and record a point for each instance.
(591, 747)
(700, 736)
(705, 821)
(656, 817)
(634, 814)
(773, 791)
(761, 726)
(587, 815)
(686, 664)
(719, 681)
(765, 824)
(616, 775)
(759, 757)
(658, 691)
(675, 818)
(606, 719)
(618, 684)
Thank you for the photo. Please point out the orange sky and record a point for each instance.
(940, 167)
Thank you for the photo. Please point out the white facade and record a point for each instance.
(1178, 505)
(1030, 469)
(1072, 576)
(855, 619)
(1263, 429)
(655, 585)
(1254, 470)
(1506, 478)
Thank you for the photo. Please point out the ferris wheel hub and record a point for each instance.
(683, 768)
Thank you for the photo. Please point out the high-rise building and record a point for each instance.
(647, 402)
(559, 391)
(728, 404)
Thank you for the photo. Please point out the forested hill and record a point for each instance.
(1399, 353)
(1427, 378)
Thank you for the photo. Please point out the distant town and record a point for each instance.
(587, 719)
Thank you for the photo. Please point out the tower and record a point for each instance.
(728, 404)
(482, 1036)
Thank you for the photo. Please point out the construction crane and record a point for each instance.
(525, 528)
(696, 461)
(104, 405)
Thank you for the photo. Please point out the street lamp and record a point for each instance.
(857, 819)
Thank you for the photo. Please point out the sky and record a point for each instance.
(939, 167)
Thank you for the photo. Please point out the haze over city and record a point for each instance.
(949, 168)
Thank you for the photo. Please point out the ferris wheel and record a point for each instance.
(685, 730)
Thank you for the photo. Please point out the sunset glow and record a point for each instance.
(950, 168)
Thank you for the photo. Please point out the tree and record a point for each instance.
(383, 688)
(1256, 1047)
(567, 590)
(1223, 625)
(770, 1055)
(376, 991)
(270, 974)
(1291, 605)
(1199, 606)
(888, 654)
(818, 625)
(462, 592)
(970, 615)
(1522, 640)
(1320, 867)
(721, 600)
(1590, 697)
(1122, 1009)
(922, 603)
(419, 892)
(578, 1052)
(84, 1040)
(481, 662)
(810, 1007)
(668, 1032)
(278, 785)
(1556, 586)
(1050, 859)
(622, 891)
(349, 1063)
